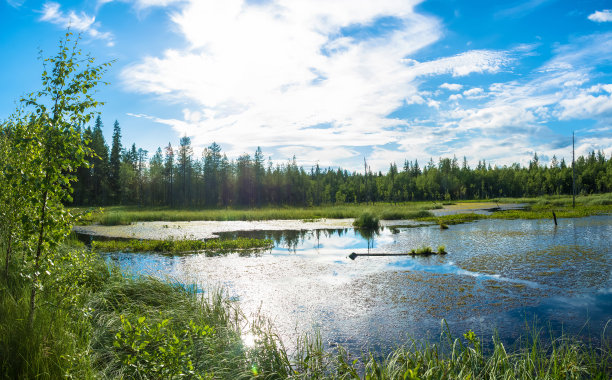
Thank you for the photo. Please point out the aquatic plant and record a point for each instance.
(426, 251)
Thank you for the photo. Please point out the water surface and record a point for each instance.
(498, 276)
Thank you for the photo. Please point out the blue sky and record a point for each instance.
(334, 81)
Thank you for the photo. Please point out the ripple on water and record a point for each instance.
(496, 273)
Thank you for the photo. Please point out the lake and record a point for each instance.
(498, 277)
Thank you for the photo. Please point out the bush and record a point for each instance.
(366, 220)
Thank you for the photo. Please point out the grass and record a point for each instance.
(95, 322)
(447, 220)
(123, 215)
(536, 208)
(174, 246)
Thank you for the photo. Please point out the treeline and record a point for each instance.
(174, 177)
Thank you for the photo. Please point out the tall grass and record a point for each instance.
(127, 215)
(95, 322)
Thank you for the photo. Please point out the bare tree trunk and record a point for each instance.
(37, 262)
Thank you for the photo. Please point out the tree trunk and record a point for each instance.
(37, 262)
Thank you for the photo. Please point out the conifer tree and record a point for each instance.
(99, 170)
(115, 163)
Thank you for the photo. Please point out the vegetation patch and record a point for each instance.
(366, 220)
(174, 246)
(427, 251)
(123, 215)
(453, 219)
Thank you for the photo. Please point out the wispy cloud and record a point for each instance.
(601, 16)
(15, 3)
(522, 8)
(81, 22)
(142, 4)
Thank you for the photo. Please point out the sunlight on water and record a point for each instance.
(498, 275)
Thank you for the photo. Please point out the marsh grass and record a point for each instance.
(452, 219)
(427, 251)
(120, 215)
(174, 246)
(536, 209)
(95, 322)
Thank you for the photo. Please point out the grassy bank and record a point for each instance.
(536, 208)
(173, 246)
(118, 215)
(94, 322)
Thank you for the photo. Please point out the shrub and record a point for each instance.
(366, 220)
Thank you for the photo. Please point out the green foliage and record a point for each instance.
(181, 246)
(366, 220)
(47, 130)
(57, 344)
(157, 351)
(214, 181)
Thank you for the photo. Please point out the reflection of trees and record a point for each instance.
(369, 234)
(288, 238)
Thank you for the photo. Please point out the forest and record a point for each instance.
(174, 177)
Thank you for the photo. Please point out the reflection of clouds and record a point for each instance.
(491, 271)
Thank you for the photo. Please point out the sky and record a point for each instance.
(335, 81)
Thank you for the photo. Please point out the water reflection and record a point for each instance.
(497, 275)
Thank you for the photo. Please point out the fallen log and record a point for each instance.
(354, 255)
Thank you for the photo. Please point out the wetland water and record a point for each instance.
(499, 276)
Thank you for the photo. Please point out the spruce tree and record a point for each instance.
(115, 163)
(99, 170)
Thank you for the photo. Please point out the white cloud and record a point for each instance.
(473, 61)
(585, 106)
(452, 86)
(81, 22)
(473, 92)
(268, 72)
(284, 75)
(601, 16)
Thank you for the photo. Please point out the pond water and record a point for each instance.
(498, 277)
